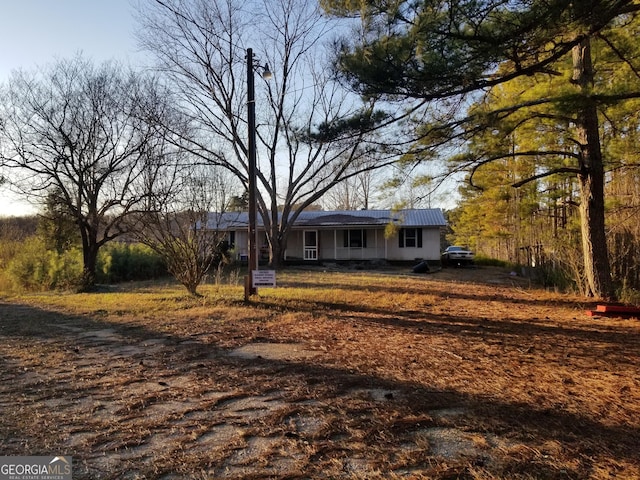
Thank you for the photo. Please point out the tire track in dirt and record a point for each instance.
(160, 416)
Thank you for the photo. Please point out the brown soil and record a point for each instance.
(470, 374)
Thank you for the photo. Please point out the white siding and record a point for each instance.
(331, 246)
(241, 251)
(430, 247)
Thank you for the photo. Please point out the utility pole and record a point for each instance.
(252, 243)
(249, 289)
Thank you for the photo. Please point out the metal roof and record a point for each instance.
(428, 217)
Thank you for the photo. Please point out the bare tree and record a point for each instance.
(354, 193)
(310, 133)
(76, 130)
(175, 225)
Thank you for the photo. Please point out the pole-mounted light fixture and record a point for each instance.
(252, 243)
(266, 73)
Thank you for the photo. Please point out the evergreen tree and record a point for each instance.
(57, 225)
(542, 134)
(436, 50)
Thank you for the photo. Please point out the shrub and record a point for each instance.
(480, 259)
(65, 269)
(628, 295)
(29, 265)
(9, 248)
(558, 277)
(27, 268)
(34, 267)
(122, 262)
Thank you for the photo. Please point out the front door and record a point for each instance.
(310, 245)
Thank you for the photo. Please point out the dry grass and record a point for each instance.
(460, 374)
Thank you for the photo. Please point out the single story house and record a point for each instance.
(345, 235)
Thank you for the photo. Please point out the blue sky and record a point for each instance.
(35, 33)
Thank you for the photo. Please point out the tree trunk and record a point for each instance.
(277, 250)
(591, 178)
(90, 261)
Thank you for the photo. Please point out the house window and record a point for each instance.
(410, 238)
(232, 239)
(356, 238)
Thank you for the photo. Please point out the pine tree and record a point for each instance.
(434, 50)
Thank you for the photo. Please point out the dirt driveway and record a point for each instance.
(485, 379)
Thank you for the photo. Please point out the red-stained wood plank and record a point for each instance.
(617, 309)
(614, 311)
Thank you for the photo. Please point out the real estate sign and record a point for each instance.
(264, 278)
